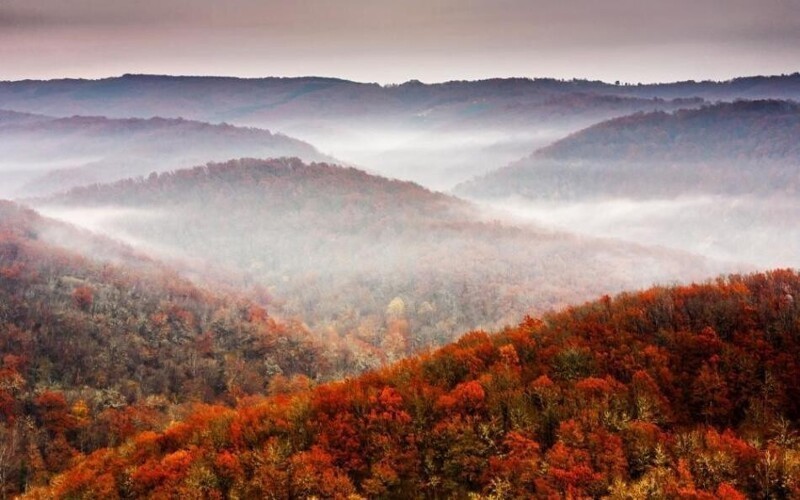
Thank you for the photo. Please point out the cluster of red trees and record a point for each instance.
(686, 392)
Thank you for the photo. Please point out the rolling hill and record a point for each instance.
(686, 392)
(363, 260)
(744, 147)
(56, 154)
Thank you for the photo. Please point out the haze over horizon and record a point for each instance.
(389, 42)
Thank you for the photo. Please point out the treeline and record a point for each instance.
(686, 392)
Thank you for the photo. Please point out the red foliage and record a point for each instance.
(670, 400)
(83, 296)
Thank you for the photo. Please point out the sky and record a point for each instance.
(392, 41)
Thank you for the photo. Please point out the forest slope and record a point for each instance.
(745, 147)
(382, 264)
(686, 392)
(92, 351)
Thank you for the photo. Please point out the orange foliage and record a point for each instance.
(678, 405)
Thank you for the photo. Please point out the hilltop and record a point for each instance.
(744, 147)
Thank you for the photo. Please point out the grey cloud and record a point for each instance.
(14, 18)
(91, 13)
(501, 36)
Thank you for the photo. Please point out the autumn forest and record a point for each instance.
(314, 287)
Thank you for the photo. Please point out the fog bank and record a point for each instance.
(743, 231)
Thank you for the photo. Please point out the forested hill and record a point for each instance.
(742, 130)
(92, 352)
(61, 153)
(744, 147)
(687, 392)
(280, 184)
(381, 267)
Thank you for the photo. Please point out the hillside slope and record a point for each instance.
(687, 392)
(61, 153)
(92, 351)
(382, 264)
(745, 147)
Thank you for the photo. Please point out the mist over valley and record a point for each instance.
(357, 250)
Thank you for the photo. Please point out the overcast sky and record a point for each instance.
(397, 40)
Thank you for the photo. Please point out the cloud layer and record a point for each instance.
(381, 40)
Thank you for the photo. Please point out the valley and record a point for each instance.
(313, 287)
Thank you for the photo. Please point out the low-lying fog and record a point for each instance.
(438, 159)
(741, 232)
(16, 173)
(108, 221)
(745, 232)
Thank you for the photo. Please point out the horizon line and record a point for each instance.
(413, 81)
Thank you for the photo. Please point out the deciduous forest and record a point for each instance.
(399, 250)
(672, 392)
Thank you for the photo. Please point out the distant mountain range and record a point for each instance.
(279, 100)
(434, 134)
(437, 135)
